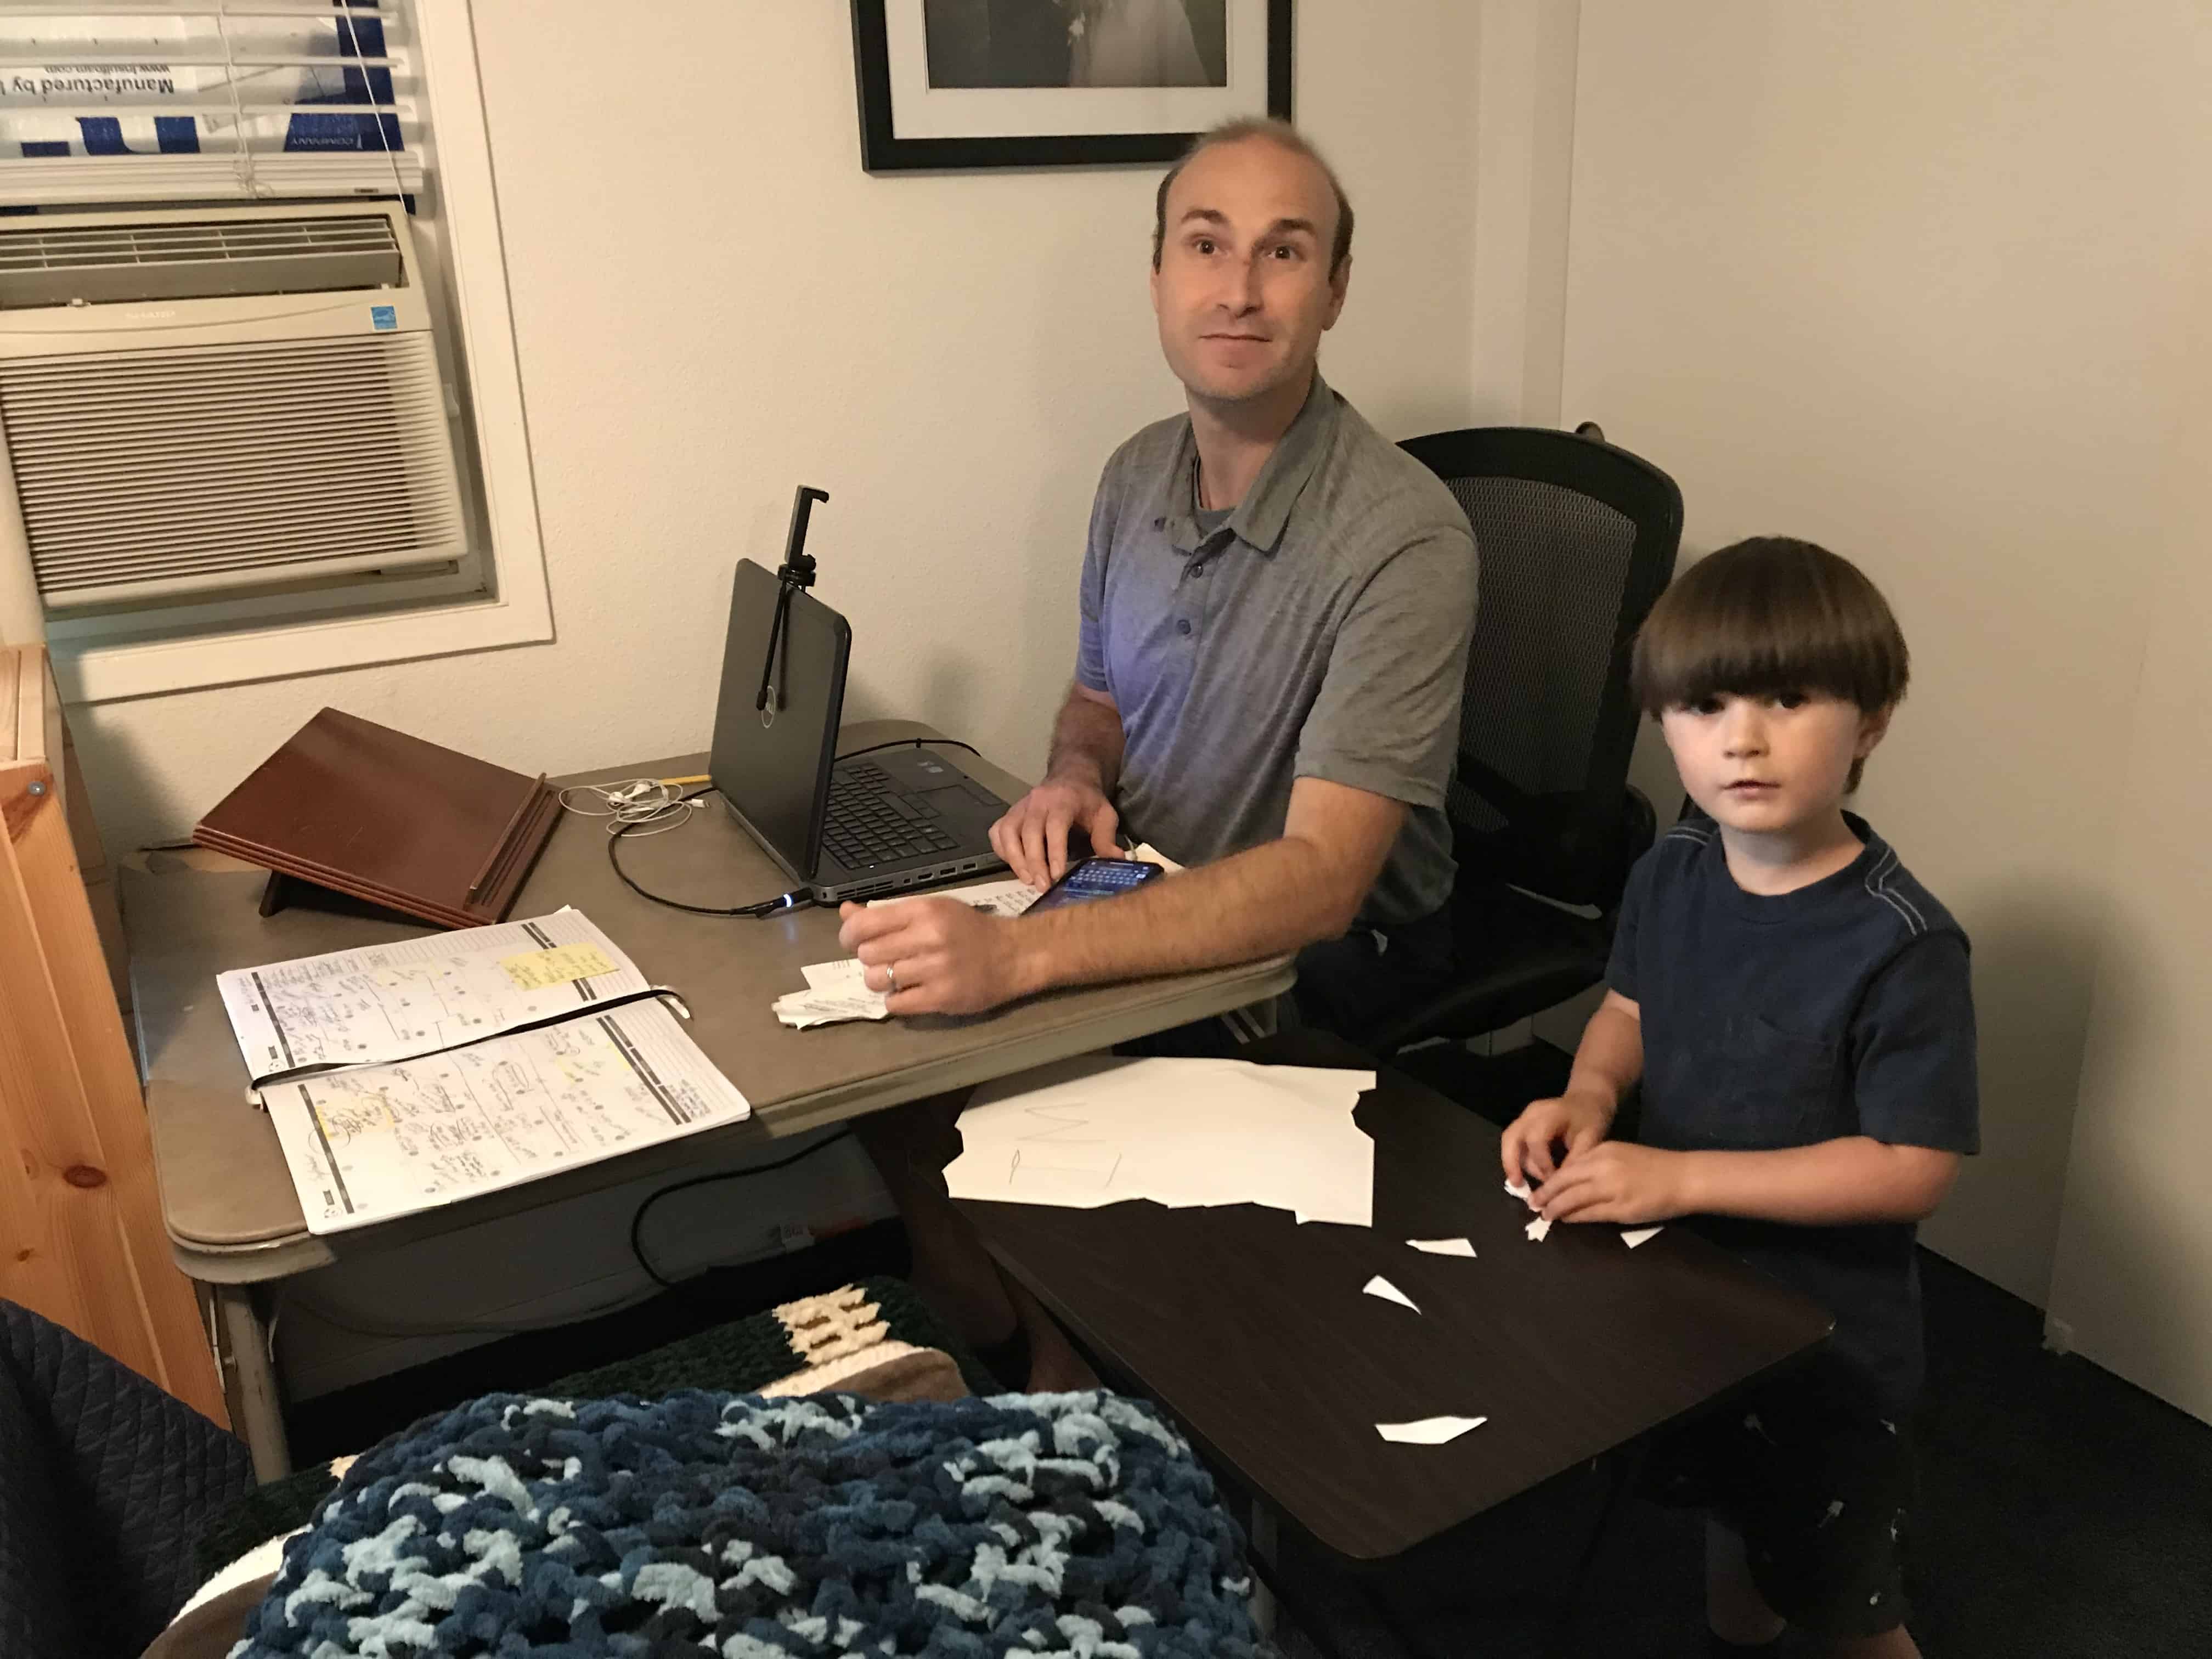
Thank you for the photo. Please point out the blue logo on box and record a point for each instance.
(384, 316)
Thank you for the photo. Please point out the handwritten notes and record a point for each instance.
(368, 1142)
(417, 996)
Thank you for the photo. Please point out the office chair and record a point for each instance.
(1577, 540)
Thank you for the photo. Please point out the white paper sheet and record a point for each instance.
(1383, 1287)
(997, 898)
(372, 1142)
(1443, 1245)
(1635, 1236)
(1429, 1431)
(387, 1002)
(1518, 1190)
(1539, 1230)
(1097, 1131)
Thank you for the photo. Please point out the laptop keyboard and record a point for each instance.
(872, 821)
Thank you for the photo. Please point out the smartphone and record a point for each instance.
(1095, 879)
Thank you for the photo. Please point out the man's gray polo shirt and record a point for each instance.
(1321, 632)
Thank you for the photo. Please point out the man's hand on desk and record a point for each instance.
(1032, 837)
(936, 956)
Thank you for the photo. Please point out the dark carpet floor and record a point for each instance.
(2065, 1512)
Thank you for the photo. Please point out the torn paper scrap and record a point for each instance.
(1517, 1190)
(801, 1009)
(1443, 1246)
(1538, 1229)
(1383, 1287)
(1635, 1236)
(1429, 1431)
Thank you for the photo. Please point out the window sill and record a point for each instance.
(108, 673)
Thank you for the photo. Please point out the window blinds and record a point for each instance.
(107, 101)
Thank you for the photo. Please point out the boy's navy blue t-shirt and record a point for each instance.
(1841, 1009)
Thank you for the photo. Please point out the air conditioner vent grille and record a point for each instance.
(60, 264)
(230, 466)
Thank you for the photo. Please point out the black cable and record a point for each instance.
(790, 901)
(766, 907)
(637, 1219)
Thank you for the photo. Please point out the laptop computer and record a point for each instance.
(851, 829)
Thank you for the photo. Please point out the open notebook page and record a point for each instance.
(373, 1142)
(386, 1002)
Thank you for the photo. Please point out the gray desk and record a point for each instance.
(233, 1220)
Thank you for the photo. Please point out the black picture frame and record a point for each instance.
(881, 151)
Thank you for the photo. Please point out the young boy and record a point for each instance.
(1796, 1008)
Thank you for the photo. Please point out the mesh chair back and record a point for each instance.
(1576, 540)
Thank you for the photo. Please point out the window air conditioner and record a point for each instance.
(199, 402)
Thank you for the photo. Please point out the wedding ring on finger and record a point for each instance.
(890, 980)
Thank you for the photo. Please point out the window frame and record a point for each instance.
(518, 609)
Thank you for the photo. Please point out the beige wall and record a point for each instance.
(713, 303)
(1906, 279)
(2133, 1288)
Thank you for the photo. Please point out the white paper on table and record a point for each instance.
(1000, 898)
(838, 977)
(1635, 1236)
(1429, 1431)
(372, 1142)
(1181, 1133)
(417, 996)
(1443, 1245)
(1383, 1287)
(1539, 1230)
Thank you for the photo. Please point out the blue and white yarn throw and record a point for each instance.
(1075, 1525)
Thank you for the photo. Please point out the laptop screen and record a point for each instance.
(773, 766)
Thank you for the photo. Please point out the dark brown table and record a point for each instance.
(1252, 1333)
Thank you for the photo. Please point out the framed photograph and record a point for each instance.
(1031, 83)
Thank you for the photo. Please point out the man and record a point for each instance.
(1276, 606)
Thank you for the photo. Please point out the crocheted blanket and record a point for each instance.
(1075, 1525)
(843, 1338)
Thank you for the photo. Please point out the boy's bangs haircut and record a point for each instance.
(1766, 616)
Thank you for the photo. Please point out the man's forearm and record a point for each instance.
(1086, 744)
(1270, 899)
(1852, 1181)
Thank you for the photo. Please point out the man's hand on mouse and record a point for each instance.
(1033, 835)
(936, 956)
